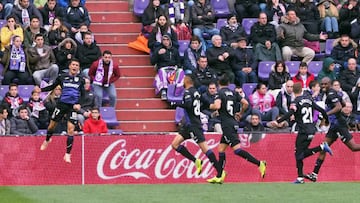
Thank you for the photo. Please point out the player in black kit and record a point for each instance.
(338, 125)
(192, 129)
(225, 103)
(72, 85)
(302, 107)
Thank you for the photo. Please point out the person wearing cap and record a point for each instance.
(243, 64)
(231, 31)
(167, 61)
(327, 70)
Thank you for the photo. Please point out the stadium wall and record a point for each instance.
(148, 159)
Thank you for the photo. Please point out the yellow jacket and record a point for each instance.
(6, 34)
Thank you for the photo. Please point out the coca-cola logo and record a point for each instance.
(117, 161)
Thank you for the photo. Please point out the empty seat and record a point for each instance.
(329, 46)
(183, 45)
(140, 6)
(179, 114)
(315, 67)
(221, 22)
(264, 69)
(175, 94)
(247, 23)
(293, 67)
(248, 88)
(115, 131)
(221, 8)
(108, 114)
(232, 86)
(25, 91)
(3, 90)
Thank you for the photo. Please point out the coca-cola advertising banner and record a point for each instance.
(149, 159)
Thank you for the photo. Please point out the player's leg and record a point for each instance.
(352, 145)
(211, 156)
(177, 146)
(301, 149)
(69, 140)
(221, 174)
(56, 116)
(348, 139)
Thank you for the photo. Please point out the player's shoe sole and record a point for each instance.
(67, 158)
(262, 169)
(311, 176)
(198, 165)
(45, 145)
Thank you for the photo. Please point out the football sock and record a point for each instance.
(318, 164)
(211, 156)
(69, 143)
(48, 135)
(299, 166)
(312, 151)
(183, 151)
(247, 156)
(222, 160)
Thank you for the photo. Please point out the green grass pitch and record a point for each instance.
(186, 193)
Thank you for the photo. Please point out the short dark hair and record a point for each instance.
(313, 83)
(13, 85)
(259, 85)
(107, 52)
(202, 57)
(195, 38)
(303, 64)
(86, 33)
(34, 17)
(74, 60)
(95, 108)
(224, 79)
(22, 107)
(2, 108)
(297, 88)
(38, 35)
(11, 16)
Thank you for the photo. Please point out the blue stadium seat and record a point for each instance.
(140, 6)
(293, 67)
(264, 69)
(115, 131)
(221, 8)
(109, 116)
(315, 67)
(247, 23)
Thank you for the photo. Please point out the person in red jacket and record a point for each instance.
(303, 76)
(95, 124)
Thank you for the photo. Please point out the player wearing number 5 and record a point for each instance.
(302, 107)
(192, 129)
(224, 103)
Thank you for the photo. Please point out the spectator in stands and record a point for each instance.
(95, 124)
(243, 64)
(103, 74)
(192, 54)
(23, 124)
(49, 12)
(38, 110)
(348, 78)
(65, 52)
(352, 121)
(80, 34)
(355, 98)
(337, 87)
(24, 11)
(167, 61)
(203, 75)
(42, 61)
(203, 16)
(16, 64)
(278, 76)
(65, 3)
(161, 28)
(232, 31)
(179, 15)
(344, 48)
(32, 30)
(291, 34)
(57, 33)
(347, 14)
(75, 15)
(12, 100)
(329, 16)
(254, 125)
(87, 53)
(9, 30)
(263, 37)
(88, 101)
(327, 70)
(151, 15)
(314, 90)
(303, 76)
(285, 97)
(7, 8)
(274, 10)
(220, 57)
(207, 98)
(247, 9)
(4, 122)
(308, 14)
(50, 104)
(263, 103)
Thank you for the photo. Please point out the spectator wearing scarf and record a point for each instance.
(23, 11)
(103, 73)
(231, 32)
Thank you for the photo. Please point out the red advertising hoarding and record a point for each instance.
(150, 159)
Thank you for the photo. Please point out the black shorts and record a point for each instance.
(191, 132)
(230, 135)
(62, 110)
(341, 132)
(302, 142)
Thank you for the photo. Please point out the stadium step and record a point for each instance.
(113, 17)
(137, 71)
(135, 82)
(107, 5)
(119, 49)
(150, 103)
(147, 126)
(116, 38)
(132, 60)
(115, 27)
(135, 93)
(145, 115)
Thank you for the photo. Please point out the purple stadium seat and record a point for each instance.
(140, 6)
(179, 114)
(221, 8)
(25, 91)
(183, 45)
(315, 67)
(109, 116)
(174, 94)
(329, 46)
(264, 69)
(293, 67)
(115, 131)
(3, 90)
(221, 22)
(247, 23)
(232, 86)
(41, 132)
(2, 23)
(248, 88)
